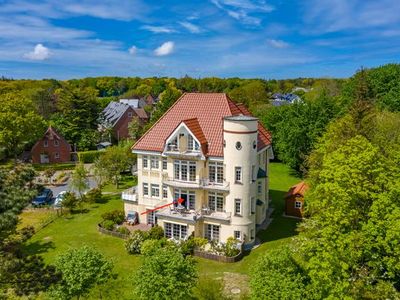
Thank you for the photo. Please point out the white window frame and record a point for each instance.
(192, 145)
(145, 162)
(237, 235)
(45, 143)
(238, 204)
(298, 204)
(56, 155)
(238, 175)
(253, 205)
(185, 170)
(216, 172)
(259, 187)
(145, 189)
(130, 114)
(164, 163)
(56, 143)
(252, 234)
(151, 218)
(164, 191)
(155, 190)
(154, 162)
(175, 231)
(212, 232)
(253, 175)
(190, 197)
(216, 201)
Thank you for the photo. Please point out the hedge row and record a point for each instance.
(89, 156)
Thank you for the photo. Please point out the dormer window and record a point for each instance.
(45, 143)
(192, 144)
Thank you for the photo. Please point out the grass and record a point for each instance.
(80, 229)
(56, 167)
(127, 181)
(35, 218)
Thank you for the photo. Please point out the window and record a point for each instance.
(181, 169)
(130, 114)
(252, 236)
(237, 235)
(259, 187)
(192, 144)
(56, 155)
(254, 145)
(297, 204)
(216, 172)
(216, 201)
(238, 207)
(164, 191)
(253, 205)
(145, 161)
(212, 232)
(56, 143)
(164, 163)
(45, 143)
(155, 190)
(189, 198)
(175, 231)
(154, 162)
(238, 145)
(253, 173)
(145, 189)
(238, 174)
(151, 218)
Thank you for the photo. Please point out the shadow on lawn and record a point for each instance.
(39, 247)
(281, 227)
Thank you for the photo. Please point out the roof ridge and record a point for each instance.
(152, 126)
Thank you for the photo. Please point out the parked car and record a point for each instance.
(132, 218)
(59, 198)
(44, 198)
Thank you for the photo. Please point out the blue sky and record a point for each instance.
(225, 38)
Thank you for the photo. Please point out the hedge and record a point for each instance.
(88, 156)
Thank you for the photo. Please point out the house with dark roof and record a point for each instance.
(294, 200)
(279, 99)
(51, 148)
(203, 171)
(117, 116)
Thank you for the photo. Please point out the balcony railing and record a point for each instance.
(196, 184)
(130, 194)
(206, 183)
(191, 216)
(175, 150)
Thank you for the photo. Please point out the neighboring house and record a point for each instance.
(51, 148)
(203, 170)
(294, 200)
(117, 116)
(279, 99)
(134, 103)
(150, 100)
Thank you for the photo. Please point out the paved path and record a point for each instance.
(66, 187)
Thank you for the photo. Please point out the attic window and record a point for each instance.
(192, 144)
(45, 143)
(130, 114)
(56, 143)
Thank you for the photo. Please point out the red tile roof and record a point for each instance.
(209, 109)
(297, 189)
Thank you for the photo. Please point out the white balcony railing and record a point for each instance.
(130, 194)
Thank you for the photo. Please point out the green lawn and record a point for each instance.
(80, 229)
(56, 167)
(127, 181)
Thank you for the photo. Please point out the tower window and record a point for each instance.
(238, 145)
(238, 174)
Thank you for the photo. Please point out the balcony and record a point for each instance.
(219, 216)
(130, 195)
(214, 186)
(181, 152)
(181, 184)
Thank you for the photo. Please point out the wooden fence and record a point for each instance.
(216, 257)
(113, 233)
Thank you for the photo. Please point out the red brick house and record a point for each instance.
(294, 200)
(118, 115)
(51, 148)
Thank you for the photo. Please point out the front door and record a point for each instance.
(44, 158)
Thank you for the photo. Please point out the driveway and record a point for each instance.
(66, 187)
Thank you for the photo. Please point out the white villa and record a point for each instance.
(203, 170)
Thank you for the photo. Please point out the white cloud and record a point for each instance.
(191, 27)
(132, 50)
(165, 49)
(158, 29)
(241, 9)
(40, 52)
(277, 43)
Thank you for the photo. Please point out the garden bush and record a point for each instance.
(150, 246)
(135, 240)
(108, 224)
(117, 216)
(94, 195)
(88, 157)
(156, 233)
(123, 230)
(231, 247)
(70, 201)
(187, 247)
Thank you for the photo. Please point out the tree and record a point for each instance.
(252, 94)
(79, 181)
(20, 125)
(113, 161)
(81, 269)
(165, 274)
(18, 271)
(134, 129)
(276, 275)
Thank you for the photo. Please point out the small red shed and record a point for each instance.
(294, 200)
